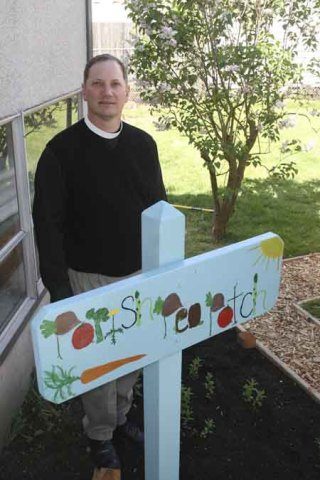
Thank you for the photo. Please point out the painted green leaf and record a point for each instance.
(209, 299)
(102, 314)
(158, 306)
(47, 328)
(90, 314)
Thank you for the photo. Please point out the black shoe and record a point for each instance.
(103, 454)
(132, 432)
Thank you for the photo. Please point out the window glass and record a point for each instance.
(40, 127)
(12, 284)
(9, 217)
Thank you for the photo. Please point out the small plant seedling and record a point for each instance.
(186, 407)
(194, 367)
(208, 428)
(252, 394)
(209, 385)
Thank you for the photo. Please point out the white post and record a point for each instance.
(163, 232)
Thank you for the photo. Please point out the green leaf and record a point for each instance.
(90, 314)
(158, 306)
(209, 300)
(47, 328)
(102, 314)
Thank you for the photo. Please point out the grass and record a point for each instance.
(313, 307)
(290, 208)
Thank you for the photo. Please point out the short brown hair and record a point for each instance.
(104, 57)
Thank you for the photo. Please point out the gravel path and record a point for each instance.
(291, 335)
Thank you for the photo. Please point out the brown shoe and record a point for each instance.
(106, 474)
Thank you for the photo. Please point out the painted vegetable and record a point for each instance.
(217, 302)
(167, 307)
(194, 315)
(98, 316)
(60, 380)
(225, 317)
(113, 331)
(95, 372)
(82, 336)
(214, 303)
(62, 324)
(171, 304)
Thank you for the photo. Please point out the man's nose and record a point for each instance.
(107, 89)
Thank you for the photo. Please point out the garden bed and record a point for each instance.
(242, 417)
(224, 435)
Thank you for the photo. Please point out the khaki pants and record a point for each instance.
(105, 407)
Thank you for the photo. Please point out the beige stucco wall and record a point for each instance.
(42, 51)
(15, 376)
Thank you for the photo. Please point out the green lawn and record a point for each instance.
(313, 307)
(290, 208)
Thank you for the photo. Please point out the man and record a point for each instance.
(92, 183)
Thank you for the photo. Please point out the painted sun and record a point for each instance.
(270, 250)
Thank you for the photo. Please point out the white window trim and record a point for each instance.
(34, 287)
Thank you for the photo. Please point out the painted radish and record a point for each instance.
(225, 317)
(63, 323)
(82, 336)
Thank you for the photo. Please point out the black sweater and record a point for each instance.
(89, 196)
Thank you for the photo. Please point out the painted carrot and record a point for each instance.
(95, 372)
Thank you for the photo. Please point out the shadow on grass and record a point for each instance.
(286, 207)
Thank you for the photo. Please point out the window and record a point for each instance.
(22, 140)
(9, 217)
(12, 284)
(12, 274)
(40, 126)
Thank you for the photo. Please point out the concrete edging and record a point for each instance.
(284, 367)
(305, 313)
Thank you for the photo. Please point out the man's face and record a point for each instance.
(105, 91)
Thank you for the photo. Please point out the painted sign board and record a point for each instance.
(87, 340)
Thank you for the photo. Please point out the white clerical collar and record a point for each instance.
(100, 132)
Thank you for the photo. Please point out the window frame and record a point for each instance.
(35, 290)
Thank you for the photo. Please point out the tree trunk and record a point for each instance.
(221, 219)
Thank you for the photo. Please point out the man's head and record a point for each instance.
(105, 57)
(106, 90)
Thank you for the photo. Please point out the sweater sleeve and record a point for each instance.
(159, 191)
(49, 213)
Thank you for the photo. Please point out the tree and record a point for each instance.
(45, 117)
(217, 72)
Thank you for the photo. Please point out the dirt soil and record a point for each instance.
(278, 439)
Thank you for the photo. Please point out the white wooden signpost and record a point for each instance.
(147, 320)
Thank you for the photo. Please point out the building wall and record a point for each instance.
(15, 376)
(43, 50)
